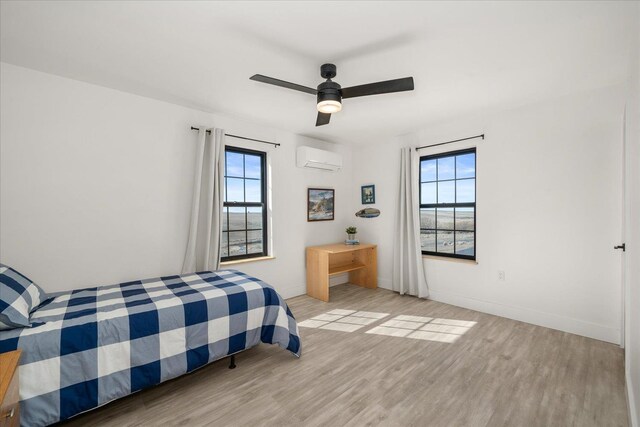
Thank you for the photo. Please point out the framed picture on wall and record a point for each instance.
(368, 193)
(320, 204)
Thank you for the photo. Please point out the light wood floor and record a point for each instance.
(500, 373)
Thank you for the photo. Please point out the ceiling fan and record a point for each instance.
(330, 94)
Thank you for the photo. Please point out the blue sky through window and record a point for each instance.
(446, 168)
(239, 166)
(235, 164)
(235, 190)
(446, 191)
(428, 170)
(253, 190)
(252, 166)
(466, 166)
(466, 191)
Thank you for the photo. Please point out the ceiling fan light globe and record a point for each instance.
(329, 106)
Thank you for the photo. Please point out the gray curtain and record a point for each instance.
(203, 246)
(408, 270)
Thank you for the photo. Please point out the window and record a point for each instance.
(244, 222)
(448, 204)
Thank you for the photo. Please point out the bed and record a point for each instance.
(88, 347)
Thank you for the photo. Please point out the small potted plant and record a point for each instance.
(351, 232)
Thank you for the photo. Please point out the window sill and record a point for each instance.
(242, 261)
(443, 258)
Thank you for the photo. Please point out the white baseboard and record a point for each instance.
(548, 320)
(384, 283)
(631, 401)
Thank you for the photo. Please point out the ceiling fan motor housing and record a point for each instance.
(329, 91)
(328, 71)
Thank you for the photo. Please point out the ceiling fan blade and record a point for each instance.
(282, 83)
(389, 86)
(323, 119)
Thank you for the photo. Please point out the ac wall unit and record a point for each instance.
(313, 158)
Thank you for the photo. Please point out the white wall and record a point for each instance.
(548, 212)
(95, 185)
(632, 231)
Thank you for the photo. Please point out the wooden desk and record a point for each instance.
(360, 261)
(9, 389)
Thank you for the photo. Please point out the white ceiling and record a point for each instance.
(465, 57)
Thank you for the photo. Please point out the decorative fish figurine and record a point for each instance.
(368, 213)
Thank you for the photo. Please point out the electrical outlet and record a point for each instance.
(501, 275)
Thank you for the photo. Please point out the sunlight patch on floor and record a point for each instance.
(404, 326)
(424, 328)
(343, 320)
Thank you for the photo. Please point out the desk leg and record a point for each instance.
(366, 277)
(318, 275)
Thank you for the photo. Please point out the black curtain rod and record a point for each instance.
(275, 144)
(449, 142)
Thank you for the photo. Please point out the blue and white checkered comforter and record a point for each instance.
(88, 347)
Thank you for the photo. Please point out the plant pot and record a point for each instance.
(351, 236)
